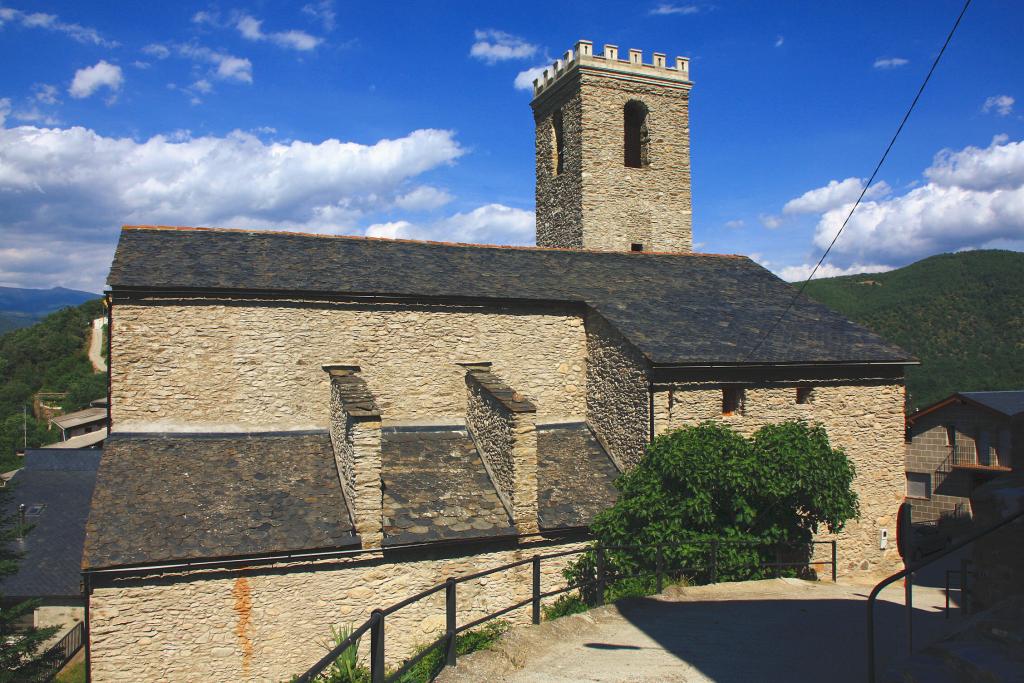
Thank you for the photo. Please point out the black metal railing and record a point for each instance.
(602, 576)
(962, 573)
(908, 573)
(54, 659)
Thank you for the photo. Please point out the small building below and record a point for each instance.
(957, 444)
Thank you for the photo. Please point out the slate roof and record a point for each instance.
(574, 476)
(87, 440)
(1009, 403)
(80, 417)
(677, 309)
(164, 497)
(62, 482)
(436, 487)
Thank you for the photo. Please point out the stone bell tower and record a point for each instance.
(613, 152)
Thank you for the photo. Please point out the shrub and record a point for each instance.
(708, 483)
(430, 666)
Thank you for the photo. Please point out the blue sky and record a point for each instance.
(404, 119)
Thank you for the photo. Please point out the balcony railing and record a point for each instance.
(965, 456)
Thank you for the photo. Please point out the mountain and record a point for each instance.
(961, 315)
(24, 307)
(50, 355)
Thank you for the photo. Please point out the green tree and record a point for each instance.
(20, 658)
(708, 483)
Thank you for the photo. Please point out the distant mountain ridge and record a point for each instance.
(23, 307)
(961, 314)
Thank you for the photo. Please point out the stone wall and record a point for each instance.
(865, 419)
(503, 425)
(356, 440)
(271, 623)
(618, 400)
(209, 364)
(559, 196)
(596, 202)
(650, 205)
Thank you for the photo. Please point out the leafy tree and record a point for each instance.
(20, 658)
(708, 483)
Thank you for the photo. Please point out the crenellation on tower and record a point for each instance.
(613, 151)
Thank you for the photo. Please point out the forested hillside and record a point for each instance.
(24, 307)
(961, 314)
(50, 356)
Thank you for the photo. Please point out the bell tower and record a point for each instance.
(613, 152)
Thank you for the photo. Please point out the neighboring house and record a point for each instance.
(55, 488)
(304, 428)
(86, 421)
(958, 443)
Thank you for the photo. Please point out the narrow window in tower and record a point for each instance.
(634, 117)
(556, 128)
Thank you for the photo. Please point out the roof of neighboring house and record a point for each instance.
(82, 440)
(677, 309)
(80, 417)
(1006, 403)
(61, 481)
(169, 497)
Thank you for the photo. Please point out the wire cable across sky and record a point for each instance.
(871, 180)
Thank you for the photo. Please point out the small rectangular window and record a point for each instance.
(804, 395)
(919, 485)
(636, 246)
(950, 435)
(732, 401)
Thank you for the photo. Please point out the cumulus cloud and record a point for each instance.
(973, 198)
(779, 40)
(494, 46)
(157, 50)
(64, 192)
(524, 79)
(51, 22)
(734, 224)
(890, 62)
(801, 273)
(45, 93)
(1001, 105)
(836, 193)
(226, 66)
(5, 110)
(322, 11)
(488, 224)
(90, 79)
(769, 221)
(667, 8)
(422, 198)
(252, 29)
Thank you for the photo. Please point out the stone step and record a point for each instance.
(981, 661)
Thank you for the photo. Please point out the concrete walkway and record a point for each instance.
(772, 630)
(99, 364)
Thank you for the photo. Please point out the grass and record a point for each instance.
(349, 668)
(72, 674)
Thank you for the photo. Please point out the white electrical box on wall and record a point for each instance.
(883, 539)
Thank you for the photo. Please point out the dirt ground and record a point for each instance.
(771, 630)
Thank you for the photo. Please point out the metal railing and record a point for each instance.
(963, 573)
(908, 572)
(601, 579)
(60, 654)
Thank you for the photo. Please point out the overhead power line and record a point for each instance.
(867, 185)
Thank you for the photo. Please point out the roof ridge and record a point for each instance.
(366, 238)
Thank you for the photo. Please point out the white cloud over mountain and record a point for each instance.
(64, 192)
(972, 198)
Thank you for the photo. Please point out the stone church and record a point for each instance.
(304, 428)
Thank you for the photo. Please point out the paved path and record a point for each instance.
(99, 364)
(773, 630)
